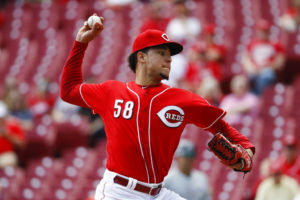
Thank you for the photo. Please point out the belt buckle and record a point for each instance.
(152, 188)
(150, 191)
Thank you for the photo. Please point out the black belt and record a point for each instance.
(139, 187)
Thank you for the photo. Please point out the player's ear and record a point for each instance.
(141, 57)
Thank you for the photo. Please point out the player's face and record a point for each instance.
(185, 164)
(158, 62)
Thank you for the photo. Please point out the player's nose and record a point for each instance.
(169, 59)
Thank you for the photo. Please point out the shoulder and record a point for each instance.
(181, 92)
(193, 20)
(113, 84)
(289, 180)
(199, 174)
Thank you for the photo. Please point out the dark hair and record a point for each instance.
(132, 59)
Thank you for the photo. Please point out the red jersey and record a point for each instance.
(11, 126)
(143, 124)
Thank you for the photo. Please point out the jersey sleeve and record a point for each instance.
(202, 114)
(95, 96)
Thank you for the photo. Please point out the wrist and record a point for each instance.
(78, 43)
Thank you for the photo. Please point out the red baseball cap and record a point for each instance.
(210, 29)
(290, 140)
(152, 38)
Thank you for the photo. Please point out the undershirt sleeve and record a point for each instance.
(71, 80)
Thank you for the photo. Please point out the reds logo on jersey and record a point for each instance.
(171, 116)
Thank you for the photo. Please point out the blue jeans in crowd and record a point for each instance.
(263, 79)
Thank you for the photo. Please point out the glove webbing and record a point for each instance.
(226, 148)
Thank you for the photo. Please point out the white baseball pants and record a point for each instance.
(108, 190)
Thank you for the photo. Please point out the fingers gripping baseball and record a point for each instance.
(90, 30)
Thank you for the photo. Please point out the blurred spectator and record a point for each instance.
(205, 59)
(277, 186)
(96, 126)
(119, 2)
(290, 20)
(12, 137)
(62, 111)
(215, 53)
(183, 27)
(264, 172)
(184, 180)
(156, 19)
(178, 70)
(41, 102)
(210, 90)
(263, 58)
(288, 162)
(10, 84)
(240, 103)
(196, 70)
(290, 158)
(16, 103)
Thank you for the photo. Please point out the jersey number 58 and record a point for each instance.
(128, 109)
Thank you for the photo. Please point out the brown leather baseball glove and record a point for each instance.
(230, 154)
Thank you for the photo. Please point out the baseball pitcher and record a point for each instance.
(144, 118)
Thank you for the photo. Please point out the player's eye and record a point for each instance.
(162, 53)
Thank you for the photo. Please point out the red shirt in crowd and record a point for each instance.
(262, 53)
(11, 126)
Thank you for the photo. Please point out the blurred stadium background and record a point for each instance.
(58, 160)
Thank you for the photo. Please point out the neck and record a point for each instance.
(146, 82)
(186, 172)
(145, 79)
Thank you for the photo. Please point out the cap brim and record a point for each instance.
(175, 48)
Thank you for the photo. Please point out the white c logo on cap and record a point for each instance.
(165, 37)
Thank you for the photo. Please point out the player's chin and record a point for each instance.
(164, 73)
(164, 76)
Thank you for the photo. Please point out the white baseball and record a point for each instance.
(92, 20)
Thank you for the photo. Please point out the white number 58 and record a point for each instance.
(128, 109)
